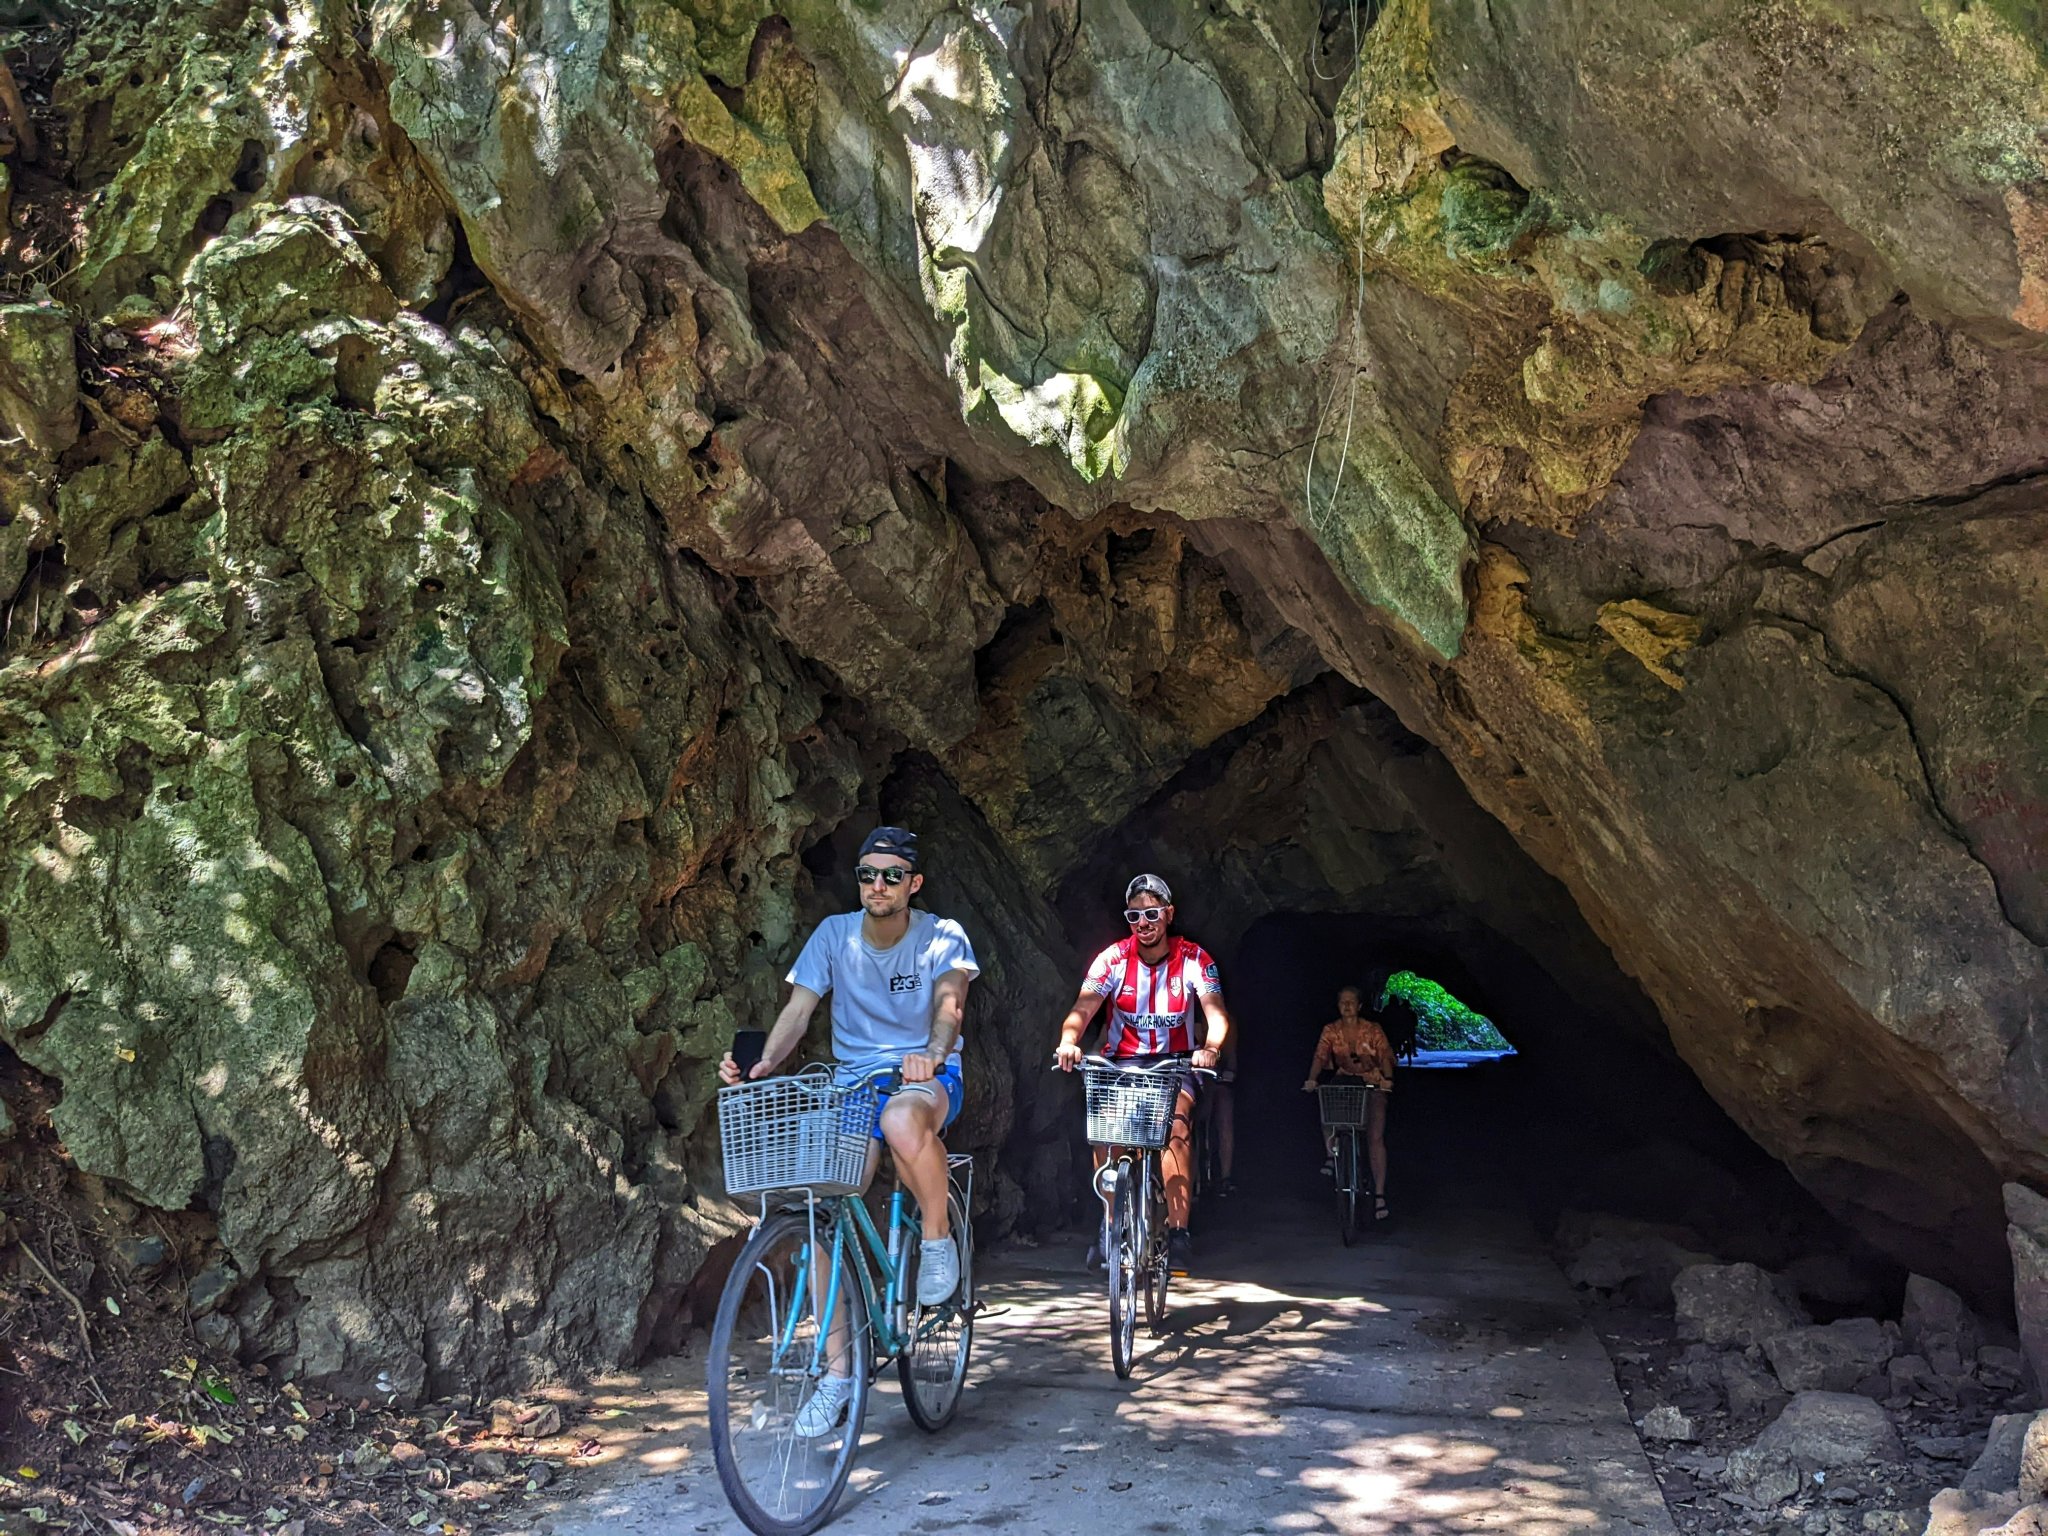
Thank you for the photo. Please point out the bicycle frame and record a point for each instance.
(869, 1250)
(1347, 1140)
(1148, 1162)
(871, 1254)
(1145, 1167)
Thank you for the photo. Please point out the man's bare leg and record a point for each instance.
(1176, 1161)
(907, 1127)
(911, 1124)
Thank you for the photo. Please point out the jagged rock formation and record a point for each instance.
(499, 489)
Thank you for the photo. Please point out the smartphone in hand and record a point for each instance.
(747, 1047)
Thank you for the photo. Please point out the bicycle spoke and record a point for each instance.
(771, 1347)
(933, 1366)
(1158, 1273)
(1126, 1258)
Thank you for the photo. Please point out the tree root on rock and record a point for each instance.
(78, 1307)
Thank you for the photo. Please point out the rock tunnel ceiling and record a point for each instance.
(499, 493)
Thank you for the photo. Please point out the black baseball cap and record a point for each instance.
(1152, 883)
(899, 841)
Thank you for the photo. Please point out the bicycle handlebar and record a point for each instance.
(1155, 1067)
(889, 1079)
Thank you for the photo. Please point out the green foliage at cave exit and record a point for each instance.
(1443, 1022)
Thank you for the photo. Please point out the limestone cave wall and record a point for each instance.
(498, 492)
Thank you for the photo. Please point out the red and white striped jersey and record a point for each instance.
(1153, 1009)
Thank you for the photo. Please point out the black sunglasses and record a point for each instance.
(867, 874)
(1137, 915)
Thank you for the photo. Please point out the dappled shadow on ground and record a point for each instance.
(1432, 1383)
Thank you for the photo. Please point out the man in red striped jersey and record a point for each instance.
(1155, 981)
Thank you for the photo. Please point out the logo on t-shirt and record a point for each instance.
(908, 983)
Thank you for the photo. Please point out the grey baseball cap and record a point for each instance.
(1152, 883)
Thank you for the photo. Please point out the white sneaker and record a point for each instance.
(938, 1270)
(826, 1408)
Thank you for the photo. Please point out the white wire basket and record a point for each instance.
(1342, 1103)
(1130, 1109)
(801, 1132)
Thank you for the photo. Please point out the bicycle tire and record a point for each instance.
(780, 1483)
(1123, 1255)
(1347, 1185)
(932, 1369)
(1158, 1268)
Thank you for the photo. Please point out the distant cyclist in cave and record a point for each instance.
(1354, 1049)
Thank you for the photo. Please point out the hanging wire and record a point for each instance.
(1358, 357)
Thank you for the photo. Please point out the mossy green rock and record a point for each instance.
(1121, 267)
(38, 377)
(260, 922)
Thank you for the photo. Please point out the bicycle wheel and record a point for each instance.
(1124, 1256)
(1347, 1185)
(1157, 1266)
(767, 1357)
(933, 1366)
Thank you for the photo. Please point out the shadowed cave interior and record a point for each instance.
(1321, 845)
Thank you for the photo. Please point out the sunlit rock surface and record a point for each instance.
(501, 493)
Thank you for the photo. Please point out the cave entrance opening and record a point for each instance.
(1433, 1028)
(1581, 1115)
(1451, 1135)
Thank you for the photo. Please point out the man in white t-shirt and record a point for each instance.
(898, 978)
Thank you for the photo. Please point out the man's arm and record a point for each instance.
(783, 1037)
(949, 1012)
(788, 1031)
(1068, 1053)
(1219, 1028)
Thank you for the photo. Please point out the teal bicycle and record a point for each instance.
(819, 1289)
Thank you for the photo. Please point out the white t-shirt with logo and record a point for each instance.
(882, 998)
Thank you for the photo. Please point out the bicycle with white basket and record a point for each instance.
(1130, 1111)
(817, 1288)
(1342, 1107)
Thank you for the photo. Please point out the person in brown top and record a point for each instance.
(1354, 1049)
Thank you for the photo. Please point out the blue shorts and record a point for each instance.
(947, 1077)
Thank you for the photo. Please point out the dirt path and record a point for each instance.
(1437, 1381)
